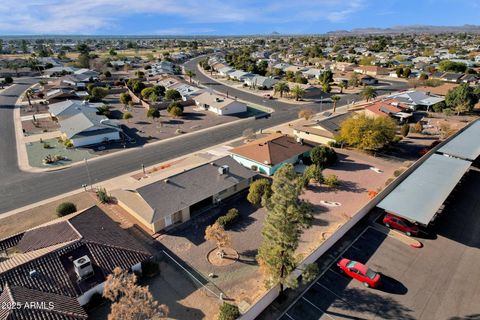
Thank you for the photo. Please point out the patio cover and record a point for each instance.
(464, 145)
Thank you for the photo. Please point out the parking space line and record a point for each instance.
(290, 316)
(326, 269)
(318, 308)
(352, 246)
(346, 302)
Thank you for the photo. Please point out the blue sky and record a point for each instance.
(225, 17)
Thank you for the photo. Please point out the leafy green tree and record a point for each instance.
(407, 72)
(399, 72)
(331, 180)
(176, 111)
(297, 92)
(98, 93)
(145, 93)
(447, 65)
(323, 156)
(354, 81)
(461, 98)
(287, 217)
(312, 172)
(153, 113)
(281, 88)
(104, 110)
(368, 93)
(125, 98)
(258, 190)
(367, 133)
(174, 104)
(159, 90)
(172, 94)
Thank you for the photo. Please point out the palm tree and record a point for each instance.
(368, 93)
(335, 99)
(281, 87)
(190, 74)
(297, 92)
(342, 86)
(28, 95)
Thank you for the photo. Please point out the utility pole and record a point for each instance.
(88, 174)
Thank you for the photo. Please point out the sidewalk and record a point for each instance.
(42, 136)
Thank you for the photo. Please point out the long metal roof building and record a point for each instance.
(422, 193)
(464, 145)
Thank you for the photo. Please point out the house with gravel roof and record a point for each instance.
(61, 264)
(176, 199)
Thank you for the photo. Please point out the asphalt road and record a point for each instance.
(18, 188)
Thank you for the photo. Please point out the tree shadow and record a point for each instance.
(350, 186)
(467, 317)
(368, 302)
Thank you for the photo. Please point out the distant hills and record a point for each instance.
(410, 29)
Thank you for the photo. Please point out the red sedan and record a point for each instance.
(359, 271)
(391, 221)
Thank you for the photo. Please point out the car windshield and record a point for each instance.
(371, 274)
(351, 264)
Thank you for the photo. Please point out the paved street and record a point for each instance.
(18, 188)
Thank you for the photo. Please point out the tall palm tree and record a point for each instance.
(190, 74)
(368, 93)
(335, 99)
(28, 95)
(297, 92)
(281, 87)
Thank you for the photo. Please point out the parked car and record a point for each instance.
(268, 96)
(391, 221)
(360, 272)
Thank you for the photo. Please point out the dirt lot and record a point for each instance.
(33, 217)
(39, 126)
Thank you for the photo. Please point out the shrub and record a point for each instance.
(227, 220)
(103, 195)
(418, 127)
(258, 189)
(228, 312)
(175, 112)
(127, 116)
(8, 80)
(68, 143)
(323, 156)
(331, 180)
(313, 172)
(46, 145)
(65, 208)
(405, 129)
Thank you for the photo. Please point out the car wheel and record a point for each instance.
(408, 233)
(387, 225)
(366, 284)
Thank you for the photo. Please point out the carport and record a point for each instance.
(419, 197)
(464, 145)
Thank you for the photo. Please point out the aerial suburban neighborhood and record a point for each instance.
(239, 160)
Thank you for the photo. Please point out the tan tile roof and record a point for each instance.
(272, 150)
(440, 90)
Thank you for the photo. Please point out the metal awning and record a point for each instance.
(422, 193)
(465, 145)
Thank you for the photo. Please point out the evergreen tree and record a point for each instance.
(286, 218)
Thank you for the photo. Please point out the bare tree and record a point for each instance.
(217, 233)
(131, 301)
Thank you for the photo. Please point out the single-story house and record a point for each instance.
(323, 131)
(175, 199)
(261, 82)
(312, 73)
(367, 80)
(384, 108)
(63, 263)
(60, 94)
(221, 105)
(267, 155)
(88, 128)
(371, 70)
(470, 78)
(415, 99)
(451, 76)
(441, 90)
(68, 108)
(241, 75)
(226, 71)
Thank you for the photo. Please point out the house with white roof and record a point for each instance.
(261, 82)
(219, 104)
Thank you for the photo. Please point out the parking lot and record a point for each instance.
(438, 281)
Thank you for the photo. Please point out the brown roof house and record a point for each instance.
(175, 199)
(58, 266)
(321, 131)
(268, 154)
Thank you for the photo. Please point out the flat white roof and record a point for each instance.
(422, 193)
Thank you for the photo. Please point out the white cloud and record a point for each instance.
(90, 16)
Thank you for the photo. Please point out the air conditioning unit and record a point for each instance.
(83, 267)
(223, 169)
